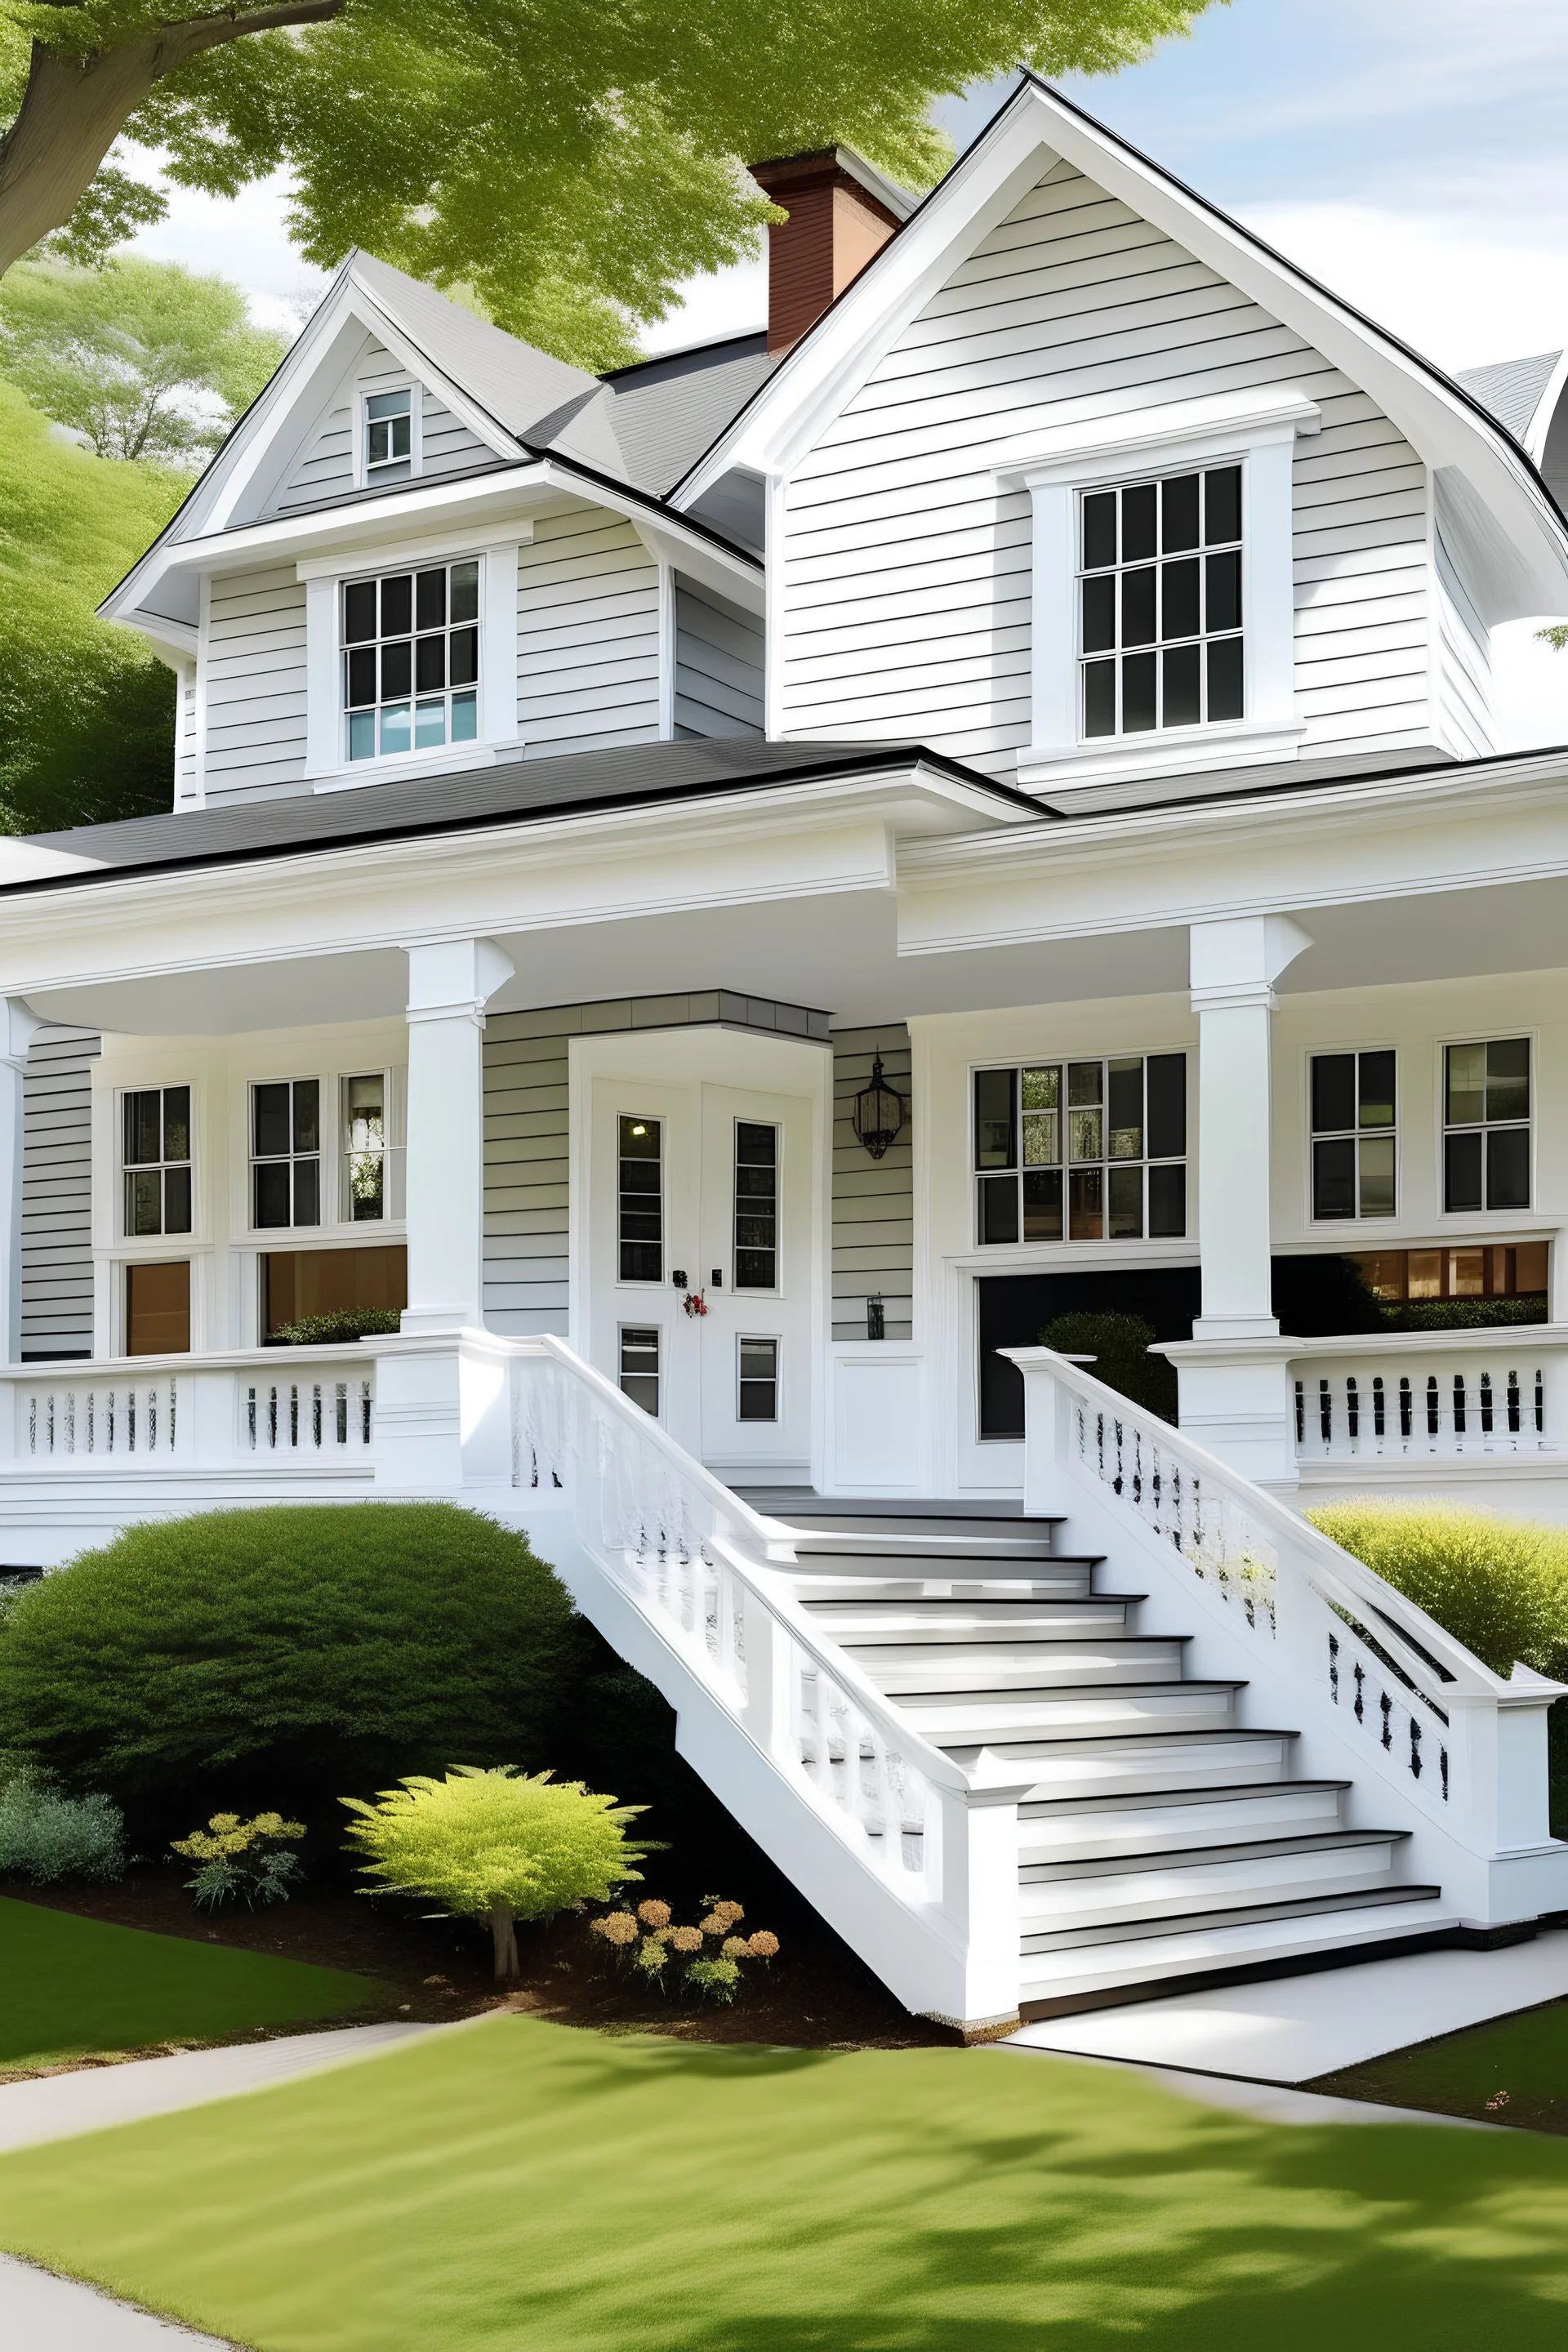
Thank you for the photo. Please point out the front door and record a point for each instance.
(703, 1261)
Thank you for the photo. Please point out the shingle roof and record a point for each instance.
(1511, 390)
(571, 782)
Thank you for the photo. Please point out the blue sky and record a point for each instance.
(1411, 153)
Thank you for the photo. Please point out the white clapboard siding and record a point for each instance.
(873, 1200)
(719, 656)
(56, 1193)
(587, 634)
(527, 1139)
(1464, 687)
(325, 472)
(907, 574)
(255, 683)
(186, 719)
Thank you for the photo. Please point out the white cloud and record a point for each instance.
(243, 239)
(730, 302)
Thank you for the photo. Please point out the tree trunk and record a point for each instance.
(75, 108)
(503, 1934)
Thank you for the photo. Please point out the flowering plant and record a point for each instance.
(696, 1302)
(648, 1940)
(252, 1859)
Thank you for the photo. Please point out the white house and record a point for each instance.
(732, 894)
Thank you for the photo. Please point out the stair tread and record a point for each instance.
(1222, 1791)
(1047, 1873)
(1193, 1923)
(1165, 1962)
(1163, 1685)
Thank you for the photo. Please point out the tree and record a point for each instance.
(570, 159)
(86, 711)
(492, 1845)
(145, 359)
(279, 1651)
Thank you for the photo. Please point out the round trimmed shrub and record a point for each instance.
(1498, 1585)
(307, 1650)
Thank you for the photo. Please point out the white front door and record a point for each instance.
(700, 1283)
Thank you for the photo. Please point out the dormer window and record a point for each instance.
(1160, 637)
(411, 660)
(389, 435)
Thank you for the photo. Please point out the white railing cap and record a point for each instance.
(1484, 1340)
(82, 1370)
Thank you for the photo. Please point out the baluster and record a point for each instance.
(341, 1412)
(293, 1412)
(1513, 1406)
(1300, 1414)
(364, 1412)
(1486, 1405)
(1406, 1408)
(1432, 1404)
(272, 1418)
(1353, 1406)
(1540, 1404)
(32, 1424)
(1414, 1749)
(316, 1413)
(1458, 1404)
(50, 1447)
(250, 1416)
(92, 1404)
(131, 1420)
(1325, 1415)
(1360, 1692)
(173, 1408)
(1334, 1668)
(1377, 1405)
(1387, 1705)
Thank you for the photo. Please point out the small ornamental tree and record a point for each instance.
(497, 1845)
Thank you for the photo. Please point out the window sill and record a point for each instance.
(1195, 751)
(449, 759)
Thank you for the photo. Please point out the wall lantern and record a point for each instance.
(878, 1112)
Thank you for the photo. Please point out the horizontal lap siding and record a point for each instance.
(527, 1175)
(325, 473)
(908, 574)
(587, 634)
(873, 1200)
(56, 1193)
(718, 652)
(255, 683)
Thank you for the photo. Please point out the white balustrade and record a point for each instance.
(320, 1412)
(92, 1417)
(1322, 1640)
(1413, 1394)
(190, 1413)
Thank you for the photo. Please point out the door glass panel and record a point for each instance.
(756, 1205)
(639, 1366)
(759, 1384)
(641, 1200)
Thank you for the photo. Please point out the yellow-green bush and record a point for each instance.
(1498, 1585)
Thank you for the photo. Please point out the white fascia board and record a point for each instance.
(830, 363)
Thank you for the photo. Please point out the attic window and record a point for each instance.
(389, 435)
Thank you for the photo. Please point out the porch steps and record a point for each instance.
(1162, 1836)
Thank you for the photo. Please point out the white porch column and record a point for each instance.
(1234, 1397)
(18, 1027)
(449, 985)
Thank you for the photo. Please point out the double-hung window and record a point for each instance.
(1159, 640)
(411, 660)
(1353, 1135)
(1486, 1124)
(286, 1152)
(1086, 1151)
(389, 435)
(365, 1129)
(156, 1139)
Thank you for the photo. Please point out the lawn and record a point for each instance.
(515, 2186)
(74, 1986)
(1513, 2070)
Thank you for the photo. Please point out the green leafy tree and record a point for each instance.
(284, 1652)
(570, 159)
(87, 712)
(494, 1845)
(144, 359)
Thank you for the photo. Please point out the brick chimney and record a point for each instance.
(841, 212)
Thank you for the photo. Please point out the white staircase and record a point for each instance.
(1160, 1835)
(1154, 1727)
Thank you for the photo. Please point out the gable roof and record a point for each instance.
(1517, 539)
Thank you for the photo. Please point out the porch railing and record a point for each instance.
(1412, 1394)
(188, 1411)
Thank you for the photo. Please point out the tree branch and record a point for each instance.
(75, 108)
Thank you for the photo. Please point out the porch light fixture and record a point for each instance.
(878, 1112)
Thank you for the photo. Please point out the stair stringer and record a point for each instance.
(1485, 1842)
(955, 1962)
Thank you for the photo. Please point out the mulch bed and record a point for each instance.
(816, 1995)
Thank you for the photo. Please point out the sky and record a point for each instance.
(1411, 154)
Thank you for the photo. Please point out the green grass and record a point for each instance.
(70, 1987)
(513, 2186)
(1521, 2060)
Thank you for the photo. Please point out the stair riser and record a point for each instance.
(1174, 1829)
(893, 1622)
(980, 1550)
(1165, 1959)
(951, 1723)
(1176, 1894)
(935, 1667)
(1053, 1588)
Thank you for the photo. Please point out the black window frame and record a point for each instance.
(1159, 652)
(757, 1208)
(289, 1177)
(636, 1379)
(639, 1253)
(1488, 1162)
(157, 1184)
(761, 1385)
(1338, 1147)
(1026, 1163)
(391, 646)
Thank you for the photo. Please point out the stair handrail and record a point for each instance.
(1343, 1579)
(758, 1576)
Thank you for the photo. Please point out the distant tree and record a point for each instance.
(144, 359)
(571, 160)
(87, 712)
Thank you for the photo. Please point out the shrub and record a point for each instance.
(343, 1323)
(1465, 1314)
(491, 1844)
(250, 1860)
(646, 1939)
(1120, 1346)
(286, 1649)
(1498, 1585)
(46, 1835)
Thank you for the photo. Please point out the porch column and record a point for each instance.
(449, 987)
(18, 1027)
(1234, 1392)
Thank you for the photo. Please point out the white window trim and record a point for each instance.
(368, 388)
(327, 763)
(1257, 431)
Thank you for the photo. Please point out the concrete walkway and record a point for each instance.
(1293, 2029)
(40, 2313)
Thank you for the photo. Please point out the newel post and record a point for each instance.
(978, 1877)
